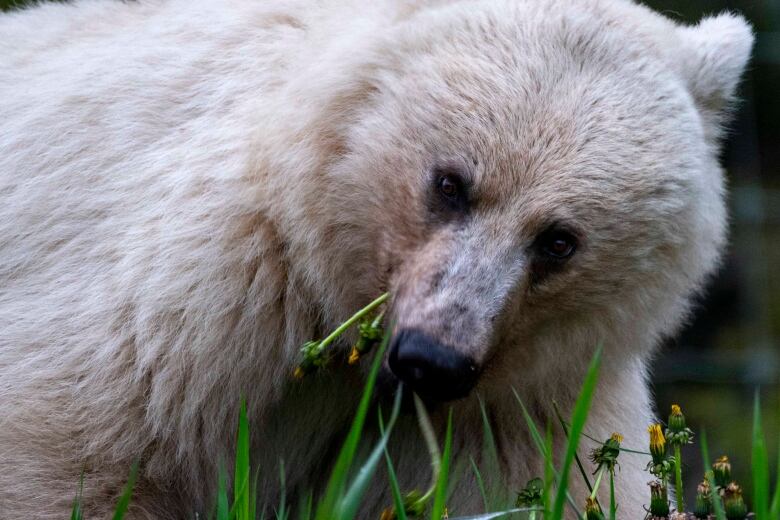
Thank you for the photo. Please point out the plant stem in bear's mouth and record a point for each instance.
(430, 441)
(314, 351)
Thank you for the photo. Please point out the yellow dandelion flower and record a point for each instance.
(657, 439)
(617, 437)
(354, 356)
(676, 410)
(657, 443)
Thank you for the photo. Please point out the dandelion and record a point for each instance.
(531, 496)
(657, 443)
(414, 506)
(313, 357)
(370, 332)
(722, 471)
(593, 510)
(414, 503)
(314, 354)
(659, 499)
(607, 454)
(733, 502)
(703, 505)
(677, 434)
(661, 466)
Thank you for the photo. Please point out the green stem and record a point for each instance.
(433, 447)
(598, 483)
(612, 504)
(678, 479)
(347, 324)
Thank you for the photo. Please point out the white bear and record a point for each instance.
(189, 190)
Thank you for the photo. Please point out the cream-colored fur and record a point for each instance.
(191, 189)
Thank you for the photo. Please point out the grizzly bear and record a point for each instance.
(190, 190)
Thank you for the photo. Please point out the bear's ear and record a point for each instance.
(715, 54)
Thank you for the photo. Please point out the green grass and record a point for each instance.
(345, 492)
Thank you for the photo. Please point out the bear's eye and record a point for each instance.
(557, 244)
(449, 192)
(448, 186)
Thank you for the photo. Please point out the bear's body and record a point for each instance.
(191, 190)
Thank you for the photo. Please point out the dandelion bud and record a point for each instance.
(370, 333)
(659, 500)
(593, 510)
(607, 454)
(657, 444)
(702, 507)
(733, 503)
(722, 471)
(676, 419)
(312, 359)
(414, 504)
(531, 494)
(677, 433)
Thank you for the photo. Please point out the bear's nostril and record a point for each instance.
(433, 370)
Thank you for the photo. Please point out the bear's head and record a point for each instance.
(533, 178)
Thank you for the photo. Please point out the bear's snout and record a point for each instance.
(434, 371)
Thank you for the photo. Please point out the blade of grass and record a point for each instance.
(335, 488)
(124, 501)
(480, 483)
(348, 505)
(306, 506)
(760, 464)
(440, 495)
(576, 457)
(549, 472)
(774, 511)
(541, 447)
(717, 503)
(579, 416)
(242, 474)
(281, 513)
(490, 457)
(223, 512)
(398, 501)
(77, 512)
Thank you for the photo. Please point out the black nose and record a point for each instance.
(431, 369)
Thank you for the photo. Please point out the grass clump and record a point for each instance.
(718, 497)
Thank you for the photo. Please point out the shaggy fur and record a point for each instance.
(191, 189)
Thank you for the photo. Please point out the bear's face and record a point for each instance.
(557, 180)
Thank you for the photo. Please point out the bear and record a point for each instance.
(190, 190)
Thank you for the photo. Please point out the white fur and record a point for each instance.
(191, 189)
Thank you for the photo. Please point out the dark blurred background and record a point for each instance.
(732, 346)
